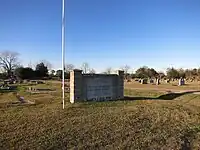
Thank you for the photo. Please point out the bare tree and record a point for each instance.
(125, 69)
(30, 65)
(69, 67)
(108, 70)
(85, 67)
(9, 61)
(33, 65)
(92, 71)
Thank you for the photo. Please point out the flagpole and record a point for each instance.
(63, 53)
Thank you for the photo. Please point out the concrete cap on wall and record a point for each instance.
(120, 72)
(77, 70)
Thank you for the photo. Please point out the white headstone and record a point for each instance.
(157, 81)
(181, 82)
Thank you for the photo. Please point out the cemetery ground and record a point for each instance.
(150, 117)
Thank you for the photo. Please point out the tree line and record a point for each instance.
(10, 66)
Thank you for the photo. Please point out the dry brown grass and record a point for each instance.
(133, 124)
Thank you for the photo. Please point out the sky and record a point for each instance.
(104, 33)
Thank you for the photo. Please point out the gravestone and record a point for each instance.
(40, 82)
(128, 80)
(32, 89)
(143, 81)
(181, 82)
(25, 81)
(151, 81)
(157, 81)
(167, 81)
(20, 98)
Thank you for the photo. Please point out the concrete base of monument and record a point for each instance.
(100, 99)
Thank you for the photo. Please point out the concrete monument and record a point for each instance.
(96, 87)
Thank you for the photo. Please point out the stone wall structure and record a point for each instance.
(96, 87)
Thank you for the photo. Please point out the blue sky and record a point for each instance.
(104, 33)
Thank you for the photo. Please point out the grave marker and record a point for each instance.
(181, 82)
(157, 81)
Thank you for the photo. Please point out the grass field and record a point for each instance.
(146, 119)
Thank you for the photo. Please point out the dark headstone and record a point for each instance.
(151, 81)
(143, 81)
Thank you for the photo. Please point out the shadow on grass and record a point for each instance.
(45, 89)
(188, 138)
(14, 104)
(169, 96)
(113, 103)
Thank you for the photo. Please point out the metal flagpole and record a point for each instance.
(63, 53)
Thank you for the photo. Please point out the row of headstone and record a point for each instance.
(180, 81)
(32, 81)
(145, 81)
(20, 98)
(4, 86)
(36, 82)
(32, 89)
(10, 81)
